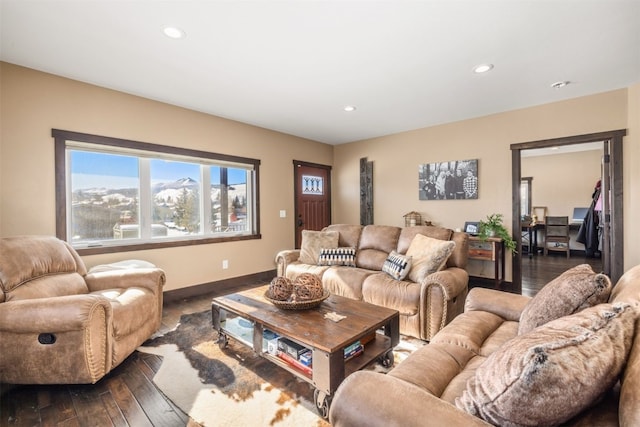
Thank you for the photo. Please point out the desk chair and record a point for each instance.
(556, 233)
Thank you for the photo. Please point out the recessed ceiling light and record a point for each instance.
(482, 68)
(350, 108)
(560, 84)
(174, 32)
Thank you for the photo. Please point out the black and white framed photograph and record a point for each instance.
(471, 227)
(456, 179)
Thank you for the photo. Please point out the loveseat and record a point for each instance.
(569, 356)
(62, 324)
(431, 294)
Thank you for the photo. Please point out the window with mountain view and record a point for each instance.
(123, 193)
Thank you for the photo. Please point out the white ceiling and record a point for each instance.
(292, 66)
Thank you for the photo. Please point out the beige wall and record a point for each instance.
(632, 180)
(32, 103)
(396, 159)
(563, 181)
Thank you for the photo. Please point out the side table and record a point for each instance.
(491, 250)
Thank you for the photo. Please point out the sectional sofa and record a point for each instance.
(570, 356)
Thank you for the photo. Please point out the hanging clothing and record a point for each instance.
(589, 233)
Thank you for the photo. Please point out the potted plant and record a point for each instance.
(493, 227)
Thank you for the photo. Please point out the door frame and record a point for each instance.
(613, 252)
(296, 191)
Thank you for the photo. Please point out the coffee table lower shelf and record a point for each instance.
(329, 367)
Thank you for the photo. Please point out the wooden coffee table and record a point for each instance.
(251, 319)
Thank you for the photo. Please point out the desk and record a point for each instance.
(532, 234)
(491, 249)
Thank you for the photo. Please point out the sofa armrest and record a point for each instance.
(504, 304)
(442, 296)
(55, 314)
(454, 281)
(284, 258)
(126, 275)
(57, 340)
(398, 403)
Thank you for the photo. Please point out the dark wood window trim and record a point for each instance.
(62, 136)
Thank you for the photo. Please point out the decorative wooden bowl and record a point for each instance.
(297, 305)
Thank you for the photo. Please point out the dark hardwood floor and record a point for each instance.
(128, 397)
(539, 270)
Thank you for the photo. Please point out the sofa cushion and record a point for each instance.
(460, 255)
(429, 255)
(345, 281)
(55, 285)
(376, 243)
(338, 256)
(396, 265)
(127, 304)
(37, 258)
(39, 267)
(383, 290)
(551, 374)
(572, 291)
(349, 234)
(313, 242)
(297, 268)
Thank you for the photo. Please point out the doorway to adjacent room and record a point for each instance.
(612, 183)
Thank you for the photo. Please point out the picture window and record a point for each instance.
(114, 194)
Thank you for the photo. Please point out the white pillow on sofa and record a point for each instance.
(313, 242)
(429, 255)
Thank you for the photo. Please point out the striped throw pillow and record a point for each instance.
(337, 256)
(397, 266)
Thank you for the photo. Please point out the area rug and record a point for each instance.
(234, 386)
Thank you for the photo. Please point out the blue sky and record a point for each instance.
(91, 169)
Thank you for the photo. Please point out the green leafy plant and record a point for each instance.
(493, 227)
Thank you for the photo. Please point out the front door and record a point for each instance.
(312, 197)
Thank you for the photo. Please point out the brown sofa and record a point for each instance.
(60, 324)
(431, 385)
(424, 307)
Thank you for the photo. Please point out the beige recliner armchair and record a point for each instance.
(60, 324)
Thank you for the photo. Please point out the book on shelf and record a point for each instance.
(306, 358)
(295, 363)
(353, 350)
(292, 348)
(357, 352)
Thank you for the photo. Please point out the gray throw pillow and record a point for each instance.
(553, 373)
(574, 290)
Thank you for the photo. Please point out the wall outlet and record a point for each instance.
(283, 214)
(225, 264)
